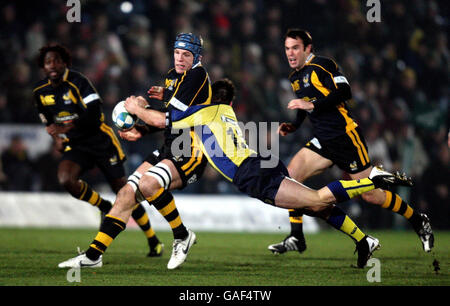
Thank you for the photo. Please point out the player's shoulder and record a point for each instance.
(325, 63)
(197, 70)
(75, 76)
(39, 85)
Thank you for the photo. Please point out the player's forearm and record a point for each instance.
(152, 117)
(300, 117)
(341, 94)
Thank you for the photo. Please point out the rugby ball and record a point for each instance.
(122, 118)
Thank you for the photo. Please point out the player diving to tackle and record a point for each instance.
(226, 150)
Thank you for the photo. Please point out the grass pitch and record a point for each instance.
(30, 257)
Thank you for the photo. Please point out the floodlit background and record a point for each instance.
(398, 69)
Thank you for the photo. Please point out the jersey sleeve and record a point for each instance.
(328, 74)
(88, 92)
(188, 88)
(91, 105)
(334, 86)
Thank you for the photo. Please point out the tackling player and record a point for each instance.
(321, 92)
(226, 150)
(187, 84)
(70, 107)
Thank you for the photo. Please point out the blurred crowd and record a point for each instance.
(398, 70)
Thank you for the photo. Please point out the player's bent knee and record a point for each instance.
(133, 182)
(148, 185)
(159, 175)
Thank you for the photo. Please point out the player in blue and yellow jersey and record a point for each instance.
(322, 91)
(186, 85)
(71, 108)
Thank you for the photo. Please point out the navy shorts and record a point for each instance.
(349, 152)
(107, 161)
(259, 182)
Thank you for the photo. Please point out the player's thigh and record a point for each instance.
(68, 171)
(307, 163)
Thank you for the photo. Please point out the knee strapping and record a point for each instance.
(161, 172)
(133, 181)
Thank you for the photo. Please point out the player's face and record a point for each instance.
(183, 60)
(295, 52)
(54, 66)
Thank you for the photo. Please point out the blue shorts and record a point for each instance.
(260, 182)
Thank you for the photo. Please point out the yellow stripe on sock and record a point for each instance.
(168, 208)
(350, 228)
(104, 238)
(94, 198)
(84, 188)
(150, 233)
(156, 195)
(387, 202)
(397, 204)
(142, 220)
(408, 213)
(175, 222)
(296, 219)
(95, 247)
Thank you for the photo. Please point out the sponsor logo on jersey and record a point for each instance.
(65, 117)
(47, 100)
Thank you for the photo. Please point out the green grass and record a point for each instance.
(30, 257)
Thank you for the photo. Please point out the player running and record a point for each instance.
(71, 108)
(322, 91)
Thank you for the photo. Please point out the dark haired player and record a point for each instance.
(71, 109)
(322, 92)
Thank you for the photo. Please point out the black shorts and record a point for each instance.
(190, 168)
(349, 152)
(259, 182)
(109, 160)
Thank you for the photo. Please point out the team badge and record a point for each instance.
(306, 80)
(113, 160)
(353, 166)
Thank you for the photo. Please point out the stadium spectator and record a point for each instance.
(17, 166)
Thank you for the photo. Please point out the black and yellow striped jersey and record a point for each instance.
(221, 138)
(74, 100)
(315, 81)
(183, 90)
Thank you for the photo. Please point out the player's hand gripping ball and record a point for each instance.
(121, 118)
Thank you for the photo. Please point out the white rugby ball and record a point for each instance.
(122, 118)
